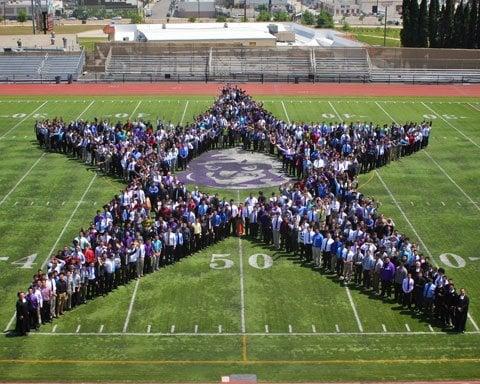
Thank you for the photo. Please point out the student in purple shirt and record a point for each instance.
(387, 274)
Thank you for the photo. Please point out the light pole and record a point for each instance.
(386, 5)
(33, 17)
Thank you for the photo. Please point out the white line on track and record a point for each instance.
(130, 307)
(334, 110)
(399, 333)
(354, 309)
(451, 125)
(184, 112)
(453, 181)
(22, 178)
(286, 113)
(242, 288)
(21, 121)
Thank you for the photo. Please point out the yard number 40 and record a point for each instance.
(221, 261)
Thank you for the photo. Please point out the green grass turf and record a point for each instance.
(56, 197)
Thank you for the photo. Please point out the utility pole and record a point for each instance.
(198, 9)
(385, 27)
(33, 17)
(245, 11)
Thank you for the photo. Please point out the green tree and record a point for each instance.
(447, 22)
(308, 18)
(472, 25)
(136, 18)
(422, 36)
(433, 21)
(324, 20)
(192, 19)
(405, 32)
(281, 16)
(264, 16)
(458, 34)
(22, 16)
(414, 16)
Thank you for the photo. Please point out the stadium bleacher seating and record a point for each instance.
(33, 67)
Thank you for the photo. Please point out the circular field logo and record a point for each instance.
(234, 168)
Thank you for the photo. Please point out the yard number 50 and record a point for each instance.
(221, 261)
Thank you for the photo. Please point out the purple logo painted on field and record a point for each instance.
(234, 168)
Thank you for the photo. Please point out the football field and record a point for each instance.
(238, 306)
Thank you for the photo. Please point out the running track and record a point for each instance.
(198, 88)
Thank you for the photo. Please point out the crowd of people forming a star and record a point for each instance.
(319, 215)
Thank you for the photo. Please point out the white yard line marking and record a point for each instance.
(149, 328)
(68, 221)
(354, 309)
(85, 110)
(130, 307)
(135, 110)
(101, 328)
(334, 110)
(459, 204)
(16, 203)
(78, 328)
(451, 125)
(384, 111)
(384, 328)
(184, 112)
(290, 330)
(337, 328)
(63, 203)
(219, 329)
(266, 328)
(471, 105)
(411, 202)
(293, 334)
(196, 329)
(54, 328)
(31, 203)
(314, 330)
(431, 328)
(443, 203)
(242, 288)
(407, 327)
(453, 181)
(405, 216)
(48, 203)
(21, 179)
(286, 113)
(473, 322)
(21, 121)
(172, 329)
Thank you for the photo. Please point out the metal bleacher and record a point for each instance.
(157, 62)
(40, 66)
